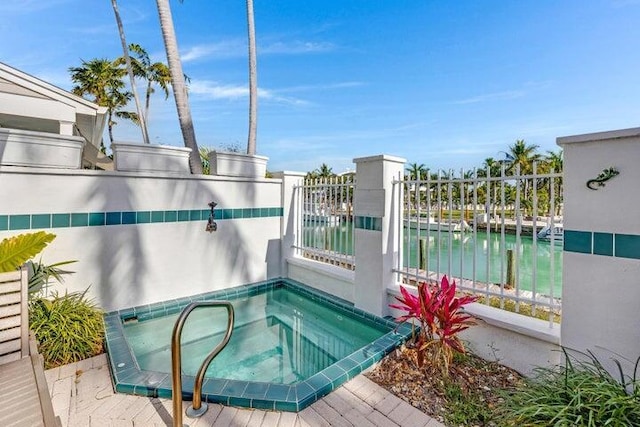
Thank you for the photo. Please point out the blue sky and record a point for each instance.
(444, 83)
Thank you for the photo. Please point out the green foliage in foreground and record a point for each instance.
(41, 274)
(68, 328)
(465, 409)
(16, 250)
(465, 406)
(582, 393)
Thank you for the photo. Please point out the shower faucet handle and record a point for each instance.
(211, 224)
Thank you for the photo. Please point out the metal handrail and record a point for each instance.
(198, 407)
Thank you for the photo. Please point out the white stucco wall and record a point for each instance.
(128, 265)
(601, 269)
(328, 278)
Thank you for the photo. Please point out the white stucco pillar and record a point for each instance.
(601, 258)
(66, 128)
(377, 226)
(291, 217)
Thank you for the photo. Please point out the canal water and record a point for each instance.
(445, 251)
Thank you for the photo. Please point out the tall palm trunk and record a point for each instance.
(127, 59)
(178, 84)
(253, 81)
(110, 125)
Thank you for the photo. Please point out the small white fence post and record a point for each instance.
(377, 225)
(291, 215)
(601, 258)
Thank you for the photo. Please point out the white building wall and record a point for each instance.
(601, 259)
(132, 264)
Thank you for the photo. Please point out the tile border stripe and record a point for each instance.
(13, 222)
(370, 223)
(615, 245)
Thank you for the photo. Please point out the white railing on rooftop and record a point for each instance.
(488, 233)
(325, 228)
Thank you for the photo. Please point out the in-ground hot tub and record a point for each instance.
(291, 345)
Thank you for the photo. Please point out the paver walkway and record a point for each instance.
(83, 396)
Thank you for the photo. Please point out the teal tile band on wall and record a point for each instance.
(627, 246)
(605, 244)
(100, 219)
(368, 223)
(577, 241)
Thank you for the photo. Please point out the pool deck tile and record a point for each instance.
(82, 395)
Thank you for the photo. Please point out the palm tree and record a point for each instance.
(416, 171)
(156, 73)
(324, 171)
(554, 162)
(522, 154)
(253, 81)
(491, 168)
(178, 84)
(102, 80)
(127, 59)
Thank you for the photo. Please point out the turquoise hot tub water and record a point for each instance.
(291, 345)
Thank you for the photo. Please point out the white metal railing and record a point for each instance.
(325, 226)
(487, 232)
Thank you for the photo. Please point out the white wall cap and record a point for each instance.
(129, 174)
(599, 136)
(236, 155)
(329, 270)
(280, 174)
(379, 157)
(129, 144)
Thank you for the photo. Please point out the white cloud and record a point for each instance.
(497, 96)
(219, 50)
(214, 90)
(327, 86)
(296, 47)
(236, 48)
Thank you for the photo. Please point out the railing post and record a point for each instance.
(511, 270)
(292, 208)
(377, 224)
(601, 258)
(422, 256)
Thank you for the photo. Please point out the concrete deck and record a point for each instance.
(83, 396)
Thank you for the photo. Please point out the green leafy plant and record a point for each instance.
(440, 315)
(580, 393)
(68, 327)
(204, 159)
(41, 274)
(16, 250)
(464, 407)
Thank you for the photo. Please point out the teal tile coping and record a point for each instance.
(129, 378)
(10, 222)
(368, 223)
(606, 244)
